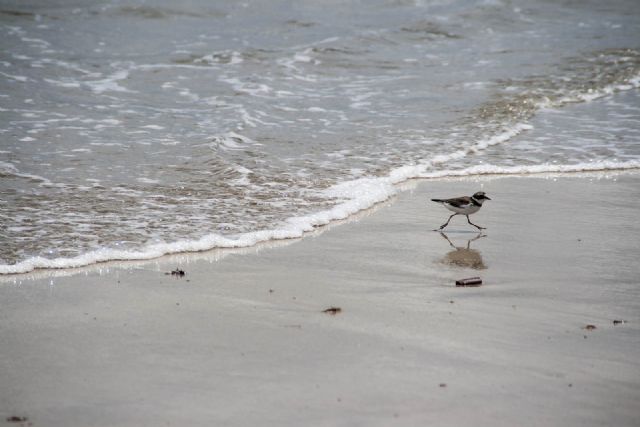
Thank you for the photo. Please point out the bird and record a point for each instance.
(463, 206)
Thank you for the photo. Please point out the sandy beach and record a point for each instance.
(242, 339)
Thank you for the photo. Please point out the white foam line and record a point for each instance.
(486, 169)
(592, 94)
(365, 193)
(404, 173)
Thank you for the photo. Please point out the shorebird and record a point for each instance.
(463, 206)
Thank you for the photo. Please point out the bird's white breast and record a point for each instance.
(465, 209)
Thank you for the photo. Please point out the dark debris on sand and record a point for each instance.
(333, 310)
(176, 273)
(469, 282)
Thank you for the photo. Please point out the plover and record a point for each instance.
(463, 206)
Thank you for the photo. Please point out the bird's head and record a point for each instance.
(480, 196)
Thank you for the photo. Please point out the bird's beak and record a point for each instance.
(488, 198)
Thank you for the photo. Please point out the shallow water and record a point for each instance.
(130, 130)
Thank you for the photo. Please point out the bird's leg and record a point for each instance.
(477, 226)
(447, 223)
(479, 236)
(447, 239)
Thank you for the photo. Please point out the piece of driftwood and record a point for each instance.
(471, 281)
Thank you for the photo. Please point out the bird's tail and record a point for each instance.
(437, 200)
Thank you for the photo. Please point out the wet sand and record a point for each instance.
(242, 338)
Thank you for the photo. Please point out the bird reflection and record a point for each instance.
(464, 256)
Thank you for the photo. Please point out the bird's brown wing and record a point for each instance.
(459, 202)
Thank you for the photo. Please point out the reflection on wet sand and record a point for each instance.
(464, 256)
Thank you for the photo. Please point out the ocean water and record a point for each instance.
(132, 129)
